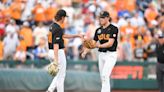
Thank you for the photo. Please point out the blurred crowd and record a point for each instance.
(24, 26)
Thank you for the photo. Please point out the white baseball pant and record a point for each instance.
(107, 60)
(58, 81)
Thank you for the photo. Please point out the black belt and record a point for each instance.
(59, 49)
(160, 62)
(108, 50)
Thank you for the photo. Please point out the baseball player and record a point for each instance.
(160, 60)
(56, 50)
(105, 39)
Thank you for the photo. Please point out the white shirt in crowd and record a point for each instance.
(10, 44)
(137, 21)
(38, 33)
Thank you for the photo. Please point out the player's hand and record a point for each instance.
(81, 36)
(83, 54)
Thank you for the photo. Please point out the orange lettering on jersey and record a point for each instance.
(103, 37)
(100, 37)
(106, 37)
(50, 37)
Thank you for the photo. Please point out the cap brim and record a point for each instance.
(160, 37)
(101, 16)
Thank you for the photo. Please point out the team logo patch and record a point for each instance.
(99, 31)
(114, 35)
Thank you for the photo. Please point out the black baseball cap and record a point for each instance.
(61, 13)
(104, 14)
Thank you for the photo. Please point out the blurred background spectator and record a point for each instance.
(41, 51)
(1, 49)
(39, 30)
(20, 54)
(27, 34)
(24, 26)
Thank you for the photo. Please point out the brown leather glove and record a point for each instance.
(89, 43)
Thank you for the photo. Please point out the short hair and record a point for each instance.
(58, 18)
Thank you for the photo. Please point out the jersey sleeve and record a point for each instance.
(95, 36)
(114, 33)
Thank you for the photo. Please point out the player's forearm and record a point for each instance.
(86, 50)
(70, 36)
(56, 48)
(105, 45)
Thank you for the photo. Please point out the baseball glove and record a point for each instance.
(89, 43)
(53, 69)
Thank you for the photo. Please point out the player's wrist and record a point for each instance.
(79, 35)
(85, 52)
(55, 62)
(98, 45)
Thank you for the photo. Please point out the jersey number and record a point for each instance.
(50, 37)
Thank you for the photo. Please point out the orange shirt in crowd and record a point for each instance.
(39, 13)
(16, 10)
(4, 14)
(131, 31)
(26, 33)
(120, 5)
(1, 16)
(150, 14)
(128, 30)
(4, 1)
(130, 5)
(6, 11)
(162, 25)
(113, 12)
(1, 13)
(1, 50)
(7, 14)
(147, 39)
(114, 15)
(132, 41)
(147, 35)
(22, 45)
(50, 12)
(122, 29)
